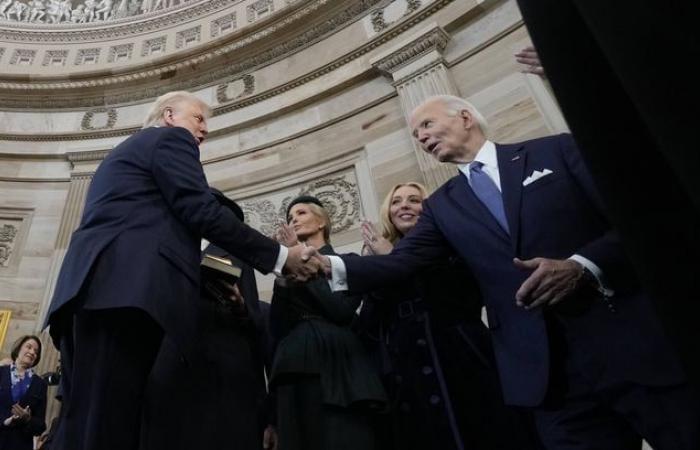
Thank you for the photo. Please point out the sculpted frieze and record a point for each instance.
(88, 11)
(14, 31)
(339, 195)
(8, 233)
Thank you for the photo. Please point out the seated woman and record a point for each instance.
(433, 349)
(22, 397)
(324, 383)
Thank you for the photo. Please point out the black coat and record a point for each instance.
(218, 401)
(437, 361)
(21, 437)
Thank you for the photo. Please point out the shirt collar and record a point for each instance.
(486, 155)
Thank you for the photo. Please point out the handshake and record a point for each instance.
(306, 263)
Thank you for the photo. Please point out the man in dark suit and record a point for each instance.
(575, 338)
(131, 272)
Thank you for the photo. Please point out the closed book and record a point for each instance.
(216, 267)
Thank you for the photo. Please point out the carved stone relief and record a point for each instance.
(87, 56)
(23, 57)
(55, 57)
(236, 89)
(259, 9)
(189, 37)
(8, 233)
(14, 227)
(154, 46)
(223, 25)
(395, 11)
(338, 193)
(120, 53)
(88, 11)
(99, 119)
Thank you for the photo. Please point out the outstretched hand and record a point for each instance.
(551, 281)
(301, 265)
(531, 59)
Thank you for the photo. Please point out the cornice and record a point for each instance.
(434, 39)
(90, 155)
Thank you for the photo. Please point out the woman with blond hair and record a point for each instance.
(433, 349)
(325, 385)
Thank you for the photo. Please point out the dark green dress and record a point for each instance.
(325, 385)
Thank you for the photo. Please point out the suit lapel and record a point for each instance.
(31, 391)
(511, 165)
(462, 194)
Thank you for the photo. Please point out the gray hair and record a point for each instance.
(454, 105)
(170, 100)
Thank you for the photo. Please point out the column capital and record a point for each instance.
(85, 162)
(422, 49)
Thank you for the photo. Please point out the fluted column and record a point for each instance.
(83, 165)
(418, 71)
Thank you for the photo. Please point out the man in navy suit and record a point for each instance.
(131, 272)
(575, 339)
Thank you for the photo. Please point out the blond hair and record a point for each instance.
(321, 213)
(171, 100)
(389, 230)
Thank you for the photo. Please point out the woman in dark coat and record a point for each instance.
(434, 351)
(325, 386)
(22, 397)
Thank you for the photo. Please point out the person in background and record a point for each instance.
(218, 402)
(22, 396)
(434, 351)
(324, 383)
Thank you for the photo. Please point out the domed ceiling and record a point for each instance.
(67, 54)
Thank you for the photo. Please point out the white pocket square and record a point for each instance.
(536, 175)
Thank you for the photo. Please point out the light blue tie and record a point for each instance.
(487, 191)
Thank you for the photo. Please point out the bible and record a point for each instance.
(214, 270)
(218, 268)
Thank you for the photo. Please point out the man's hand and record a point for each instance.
(323, 261)
(531, 59)
(551, 281)
(300, 264)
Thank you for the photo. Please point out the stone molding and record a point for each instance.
(434, 39)
(291, 46)
(86, 156)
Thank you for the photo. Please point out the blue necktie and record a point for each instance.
(487, 191)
